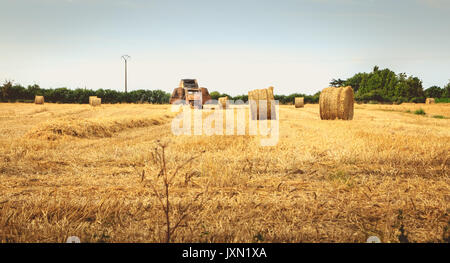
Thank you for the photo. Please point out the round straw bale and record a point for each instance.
(336, 103)
(91, 98)
(96, 102)
(39, 99)
(257, 96)
(430, 101)
(299, 102)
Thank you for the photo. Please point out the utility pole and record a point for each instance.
(125, 58)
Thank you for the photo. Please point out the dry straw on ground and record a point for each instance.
(258, 96)
(39, 100)
(325, 181)
(336, 103)
(223, 102)
(87, 128)
(430, 101)
(299, 102)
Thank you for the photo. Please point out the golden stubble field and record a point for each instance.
(75, 170)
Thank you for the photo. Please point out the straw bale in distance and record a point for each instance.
(91, 98)
(336, 103)
(39, 99)
(430, 101)
(299, 102)
(96, 102)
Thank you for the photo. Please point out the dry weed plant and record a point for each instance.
(163, 179)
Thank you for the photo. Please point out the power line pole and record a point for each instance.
(125, 58)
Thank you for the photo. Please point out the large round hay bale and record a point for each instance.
(258, 96)
(91, 98)
(96, 102)
(336, 103)
(430, 101)
(223, 102)
(39, 99)
(299, 102)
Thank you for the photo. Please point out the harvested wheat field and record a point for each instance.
(97, 173)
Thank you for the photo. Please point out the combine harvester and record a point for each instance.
(189, 91)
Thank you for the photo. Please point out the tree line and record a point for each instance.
(380, 85)
(283, 99)
(384, 85)
(10, 92)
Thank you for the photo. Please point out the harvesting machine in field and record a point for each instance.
(189, 91)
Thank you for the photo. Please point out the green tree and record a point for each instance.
(215, 95)
(446, 91)
(6, 88)
(337, 82)
(433, 92)
(33, 90)
(386, 86)
(355, 81)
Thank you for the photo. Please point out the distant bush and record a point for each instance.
(417, 100)
(372, 96)
(438, 117)
(399, 100)
(434, 92)
(442, 100)
(420, 112)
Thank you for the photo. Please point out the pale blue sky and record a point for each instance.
(229, 46)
